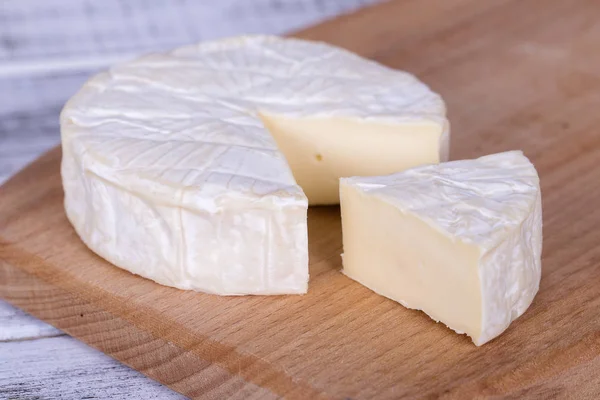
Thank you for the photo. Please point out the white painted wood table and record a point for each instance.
(48, 48)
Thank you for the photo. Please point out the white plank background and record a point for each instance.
(48, 48)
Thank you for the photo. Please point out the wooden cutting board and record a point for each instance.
(516, 75)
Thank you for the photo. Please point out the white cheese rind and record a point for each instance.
(492, 204)
(170, 172)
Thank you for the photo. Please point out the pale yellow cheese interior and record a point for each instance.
(403, 258)
(322, 150)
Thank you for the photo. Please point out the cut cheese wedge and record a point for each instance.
(460, 240)
(195, 168)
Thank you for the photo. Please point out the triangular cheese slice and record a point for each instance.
(461, 240)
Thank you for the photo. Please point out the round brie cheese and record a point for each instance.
(195, 168)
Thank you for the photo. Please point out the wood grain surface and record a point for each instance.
(516, 75)
(48, 48)
(17, 325)
(67, 369)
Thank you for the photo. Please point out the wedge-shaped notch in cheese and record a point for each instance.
(461, 240)
(195, 168)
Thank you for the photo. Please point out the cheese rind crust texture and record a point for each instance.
(195, 168)
(461, 240)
